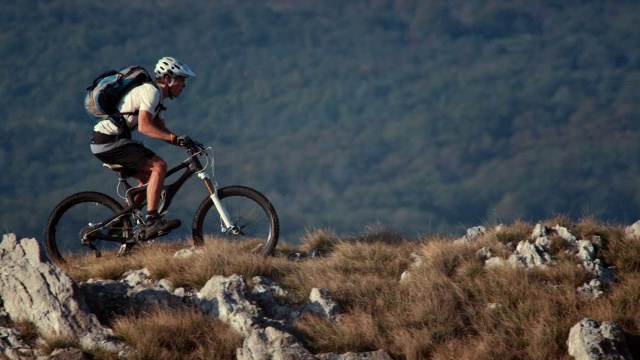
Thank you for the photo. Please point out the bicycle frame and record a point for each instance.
(191, 166)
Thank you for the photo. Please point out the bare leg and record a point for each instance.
(153, 171)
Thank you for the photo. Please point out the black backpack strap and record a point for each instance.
(120, 121)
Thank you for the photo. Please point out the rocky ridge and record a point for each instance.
(33, 289)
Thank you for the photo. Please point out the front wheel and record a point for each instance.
(70, 220)
(252, 215)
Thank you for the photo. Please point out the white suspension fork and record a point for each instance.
(213, 191)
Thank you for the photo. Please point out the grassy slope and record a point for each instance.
(441, 312)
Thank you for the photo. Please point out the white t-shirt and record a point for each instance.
(145, 97)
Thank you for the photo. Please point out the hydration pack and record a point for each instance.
(106, 91)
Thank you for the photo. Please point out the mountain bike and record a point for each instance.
(93, 222)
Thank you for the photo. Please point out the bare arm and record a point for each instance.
(153, 128)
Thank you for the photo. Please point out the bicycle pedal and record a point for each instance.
(125, 249)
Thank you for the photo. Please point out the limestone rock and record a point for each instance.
(67, 354)
(372, 355)
(633, 231)
(590, 340)
(106, 298)
(224, 298)
(320, 303)
(530, 255)
(13, 346)
(565, 234)
(34, 289)
(472, 234)
(271, 343)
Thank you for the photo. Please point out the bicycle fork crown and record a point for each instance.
(212, 186)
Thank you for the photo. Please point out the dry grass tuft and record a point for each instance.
(621, 252)
(51, 344)
(351, 332)
(322, 241)
(154, 257)
(27, 330)
(513, 234)
(177, 334)
(375, 233)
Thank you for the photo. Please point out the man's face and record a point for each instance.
(179, 83)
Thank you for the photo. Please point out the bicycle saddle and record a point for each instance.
(117, 168)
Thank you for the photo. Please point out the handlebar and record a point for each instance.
(194, 147)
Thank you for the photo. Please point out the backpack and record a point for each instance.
(106, 91)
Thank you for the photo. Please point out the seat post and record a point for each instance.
(122, 180)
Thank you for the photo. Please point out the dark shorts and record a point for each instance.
(130, 156)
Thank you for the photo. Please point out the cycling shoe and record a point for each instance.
(159, 227)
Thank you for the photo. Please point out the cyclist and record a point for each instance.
(113, 145)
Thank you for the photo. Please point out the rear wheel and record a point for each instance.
(253, 217)
(73, 219)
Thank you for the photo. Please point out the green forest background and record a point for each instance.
(422, 116)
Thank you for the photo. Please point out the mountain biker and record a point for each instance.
(113, 145)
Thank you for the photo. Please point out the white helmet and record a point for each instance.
(172, 67)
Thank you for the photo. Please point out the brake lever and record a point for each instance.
(197, 148)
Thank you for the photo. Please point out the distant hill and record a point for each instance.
(423, 116)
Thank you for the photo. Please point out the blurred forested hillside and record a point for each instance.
(421, 115)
